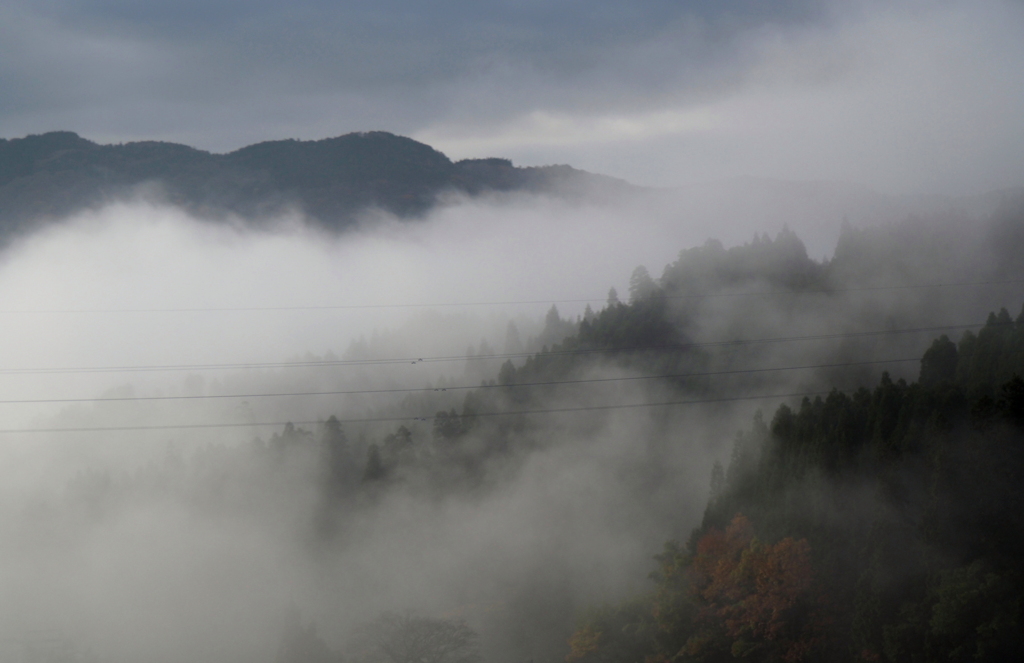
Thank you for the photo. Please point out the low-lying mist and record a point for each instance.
(188, 543)
(135, 537)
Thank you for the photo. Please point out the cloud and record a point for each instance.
(898, 99)
(905, 97)
(188, 544)
(176, 544)
(564, 129)
(335, 68)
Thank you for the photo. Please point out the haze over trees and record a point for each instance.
(513, 507)
(279, 387)
(880, 525)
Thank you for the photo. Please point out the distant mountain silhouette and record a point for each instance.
(49, 176)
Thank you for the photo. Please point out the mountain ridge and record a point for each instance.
(44, 177)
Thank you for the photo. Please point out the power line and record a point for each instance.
(352, 392)
(677, 347)
(586, 408)
(342, 307)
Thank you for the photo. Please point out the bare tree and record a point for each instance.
(406, 638)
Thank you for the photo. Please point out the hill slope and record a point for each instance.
(44, 177)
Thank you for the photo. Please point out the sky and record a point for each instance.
(904, 97)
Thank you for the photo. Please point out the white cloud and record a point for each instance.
(552, 130)
(921, 99)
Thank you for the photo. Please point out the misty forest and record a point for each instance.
(290, 429)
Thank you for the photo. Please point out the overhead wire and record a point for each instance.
(530, 302)
(419, 360)
(358, 420)
(478, 414)
(677, 347)
(352, 392)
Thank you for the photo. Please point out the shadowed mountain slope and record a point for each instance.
(44, 177)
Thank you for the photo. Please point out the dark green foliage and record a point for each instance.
(449, 426)
(644, 323)
(910, 501)
(507, 373)
(939, 363)
(993, 356)
(781, 262)
(1011, 404)
(556, 329)
(641, 285)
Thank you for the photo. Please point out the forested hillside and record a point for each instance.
(50, 176)
(879, 525)
(869, 509)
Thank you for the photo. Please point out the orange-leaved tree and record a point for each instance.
(731, 596)
(755, 600)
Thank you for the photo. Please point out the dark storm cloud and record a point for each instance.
(454, 33)
(905, 97)
(131, 69)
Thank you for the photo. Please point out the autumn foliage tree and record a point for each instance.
(730, 596)
(754, 600)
